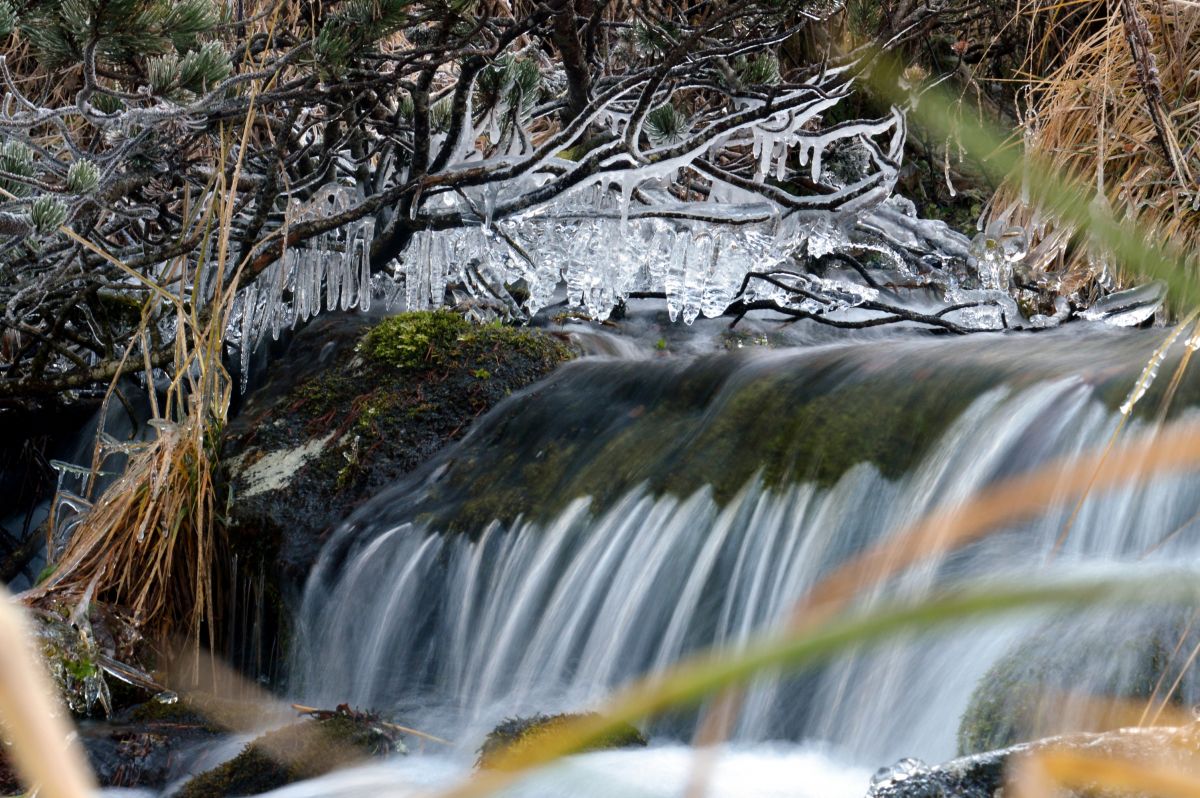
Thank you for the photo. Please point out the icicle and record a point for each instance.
(366, 236)
(628, 183)
(248, 332)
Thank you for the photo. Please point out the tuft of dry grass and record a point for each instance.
(1113, 101)
(151, 543)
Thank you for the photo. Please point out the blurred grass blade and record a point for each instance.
(42, 744)
(1041, 775)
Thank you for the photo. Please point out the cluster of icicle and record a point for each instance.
(327, 272)
(627, 231)
(643, 228)
(602, 258)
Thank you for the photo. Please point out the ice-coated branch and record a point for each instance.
(606, 147)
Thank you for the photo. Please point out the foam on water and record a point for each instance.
(655, 772)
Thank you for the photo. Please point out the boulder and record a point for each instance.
(303, 750)
(1072, 674)
(984, 775)
(351, 405)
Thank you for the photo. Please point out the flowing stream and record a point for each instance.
(626, 512)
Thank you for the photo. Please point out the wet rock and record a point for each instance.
(94, 655)
(978, 776)
(1074, 673)
(138, 749)
(984, 775)
(141, 753)
(297, 752)
(71, 654)
(515, 734)
(10, 784)
(350, 406)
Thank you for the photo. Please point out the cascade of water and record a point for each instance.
(550, 611)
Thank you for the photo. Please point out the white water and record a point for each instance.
(454, 632)
(772, 771)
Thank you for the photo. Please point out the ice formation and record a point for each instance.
(1128, 308)
(673, 218)
(628, 230)
(901, 771)
(330, 271)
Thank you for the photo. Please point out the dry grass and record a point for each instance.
(1113, 100)
(151, 543)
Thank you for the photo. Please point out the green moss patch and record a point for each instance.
(404, 389)
(415, 340)
(514, 735)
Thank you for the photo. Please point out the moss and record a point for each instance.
(295, 753)
(415, 340)
(514, 735)
(711, 425)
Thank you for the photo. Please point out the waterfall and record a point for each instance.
(603, 524)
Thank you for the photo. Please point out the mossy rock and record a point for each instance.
(513, 735)
(348, 409)
(675, 427)
(415, 340)
(410, 385)
(294, 753)
(72, 660)
(1073, 674)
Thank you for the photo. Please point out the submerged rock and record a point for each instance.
(297, 752)
(515, 734)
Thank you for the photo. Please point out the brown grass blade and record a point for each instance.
(43, 746)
